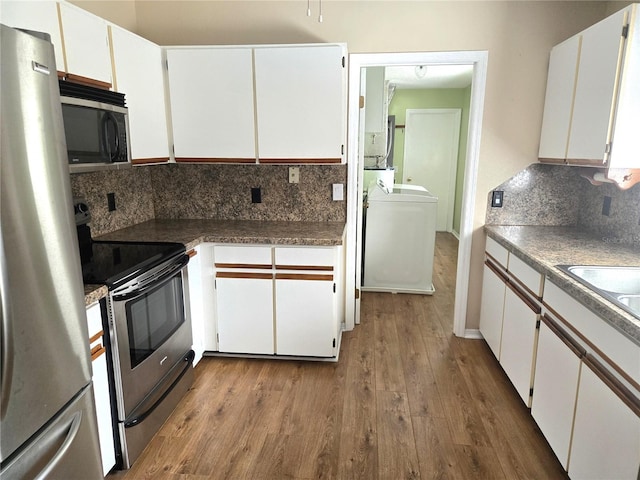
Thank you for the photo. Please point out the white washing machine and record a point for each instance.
(399, 239)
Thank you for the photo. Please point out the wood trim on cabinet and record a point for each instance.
(192, 253)
(516, 281)
(553, 161)
(259, 276)
(305, 267)
(599, 352)
(214, 160)
(95, 353)
(586, 162)
(73, 78)
(253, 266)
(97, 336)
(500, 273)
(524, 297)
(574, 346)
(145, 161)
(617, 387)
(302, 276)
(296, 161)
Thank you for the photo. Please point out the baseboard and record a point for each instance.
(455, 234)
(473, 333)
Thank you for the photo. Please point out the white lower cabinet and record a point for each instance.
(492, 307)
(277, 300)
(556, 384)
(606, 434)
(245, 313)
(305, 316)
(519, 335)
(201, 301)
(101, 388)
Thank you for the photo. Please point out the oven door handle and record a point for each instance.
(138, 289)
(137, 418)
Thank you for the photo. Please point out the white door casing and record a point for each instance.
(355, 165)
(431, 156)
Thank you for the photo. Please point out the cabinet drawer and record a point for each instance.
(242, 257)
(526, 276)
(497, 251)
(301, 257)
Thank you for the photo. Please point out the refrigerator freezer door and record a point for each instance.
(68, 448)
(45, 347)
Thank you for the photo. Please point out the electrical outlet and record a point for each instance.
(256, 195)
(606, 206)
(294, 174)
(497, 198)
(111, 201)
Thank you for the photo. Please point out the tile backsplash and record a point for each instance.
(557, 195)
(210, 191)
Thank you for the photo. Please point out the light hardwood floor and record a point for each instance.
(407, 400)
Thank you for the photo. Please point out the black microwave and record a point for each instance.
(96, 128)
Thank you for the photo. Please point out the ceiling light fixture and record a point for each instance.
(420, 71)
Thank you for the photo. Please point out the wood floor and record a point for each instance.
(407, 400)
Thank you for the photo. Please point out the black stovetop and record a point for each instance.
(109, 262)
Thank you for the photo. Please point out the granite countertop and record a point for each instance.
(94, 293)
(544, 247)
(193, 232)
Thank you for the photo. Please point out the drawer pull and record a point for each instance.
(97, 351)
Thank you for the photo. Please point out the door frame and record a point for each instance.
(357, 61)
(453, 168)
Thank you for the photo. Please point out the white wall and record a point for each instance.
(517, 34)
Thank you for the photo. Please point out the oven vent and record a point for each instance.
(76, 90)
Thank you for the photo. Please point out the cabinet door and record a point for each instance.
(492, 309)
(300, 103)
(554, 393)
(41, 16)
(517, 351)
(101, 389)
(85, 44)
(558, 101)
(212, 112)
(594, 97)
(245, 313)
(606, 435)
(139, 75)
(305, 316)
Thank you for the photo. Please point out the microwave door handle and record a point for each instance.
(107, 120)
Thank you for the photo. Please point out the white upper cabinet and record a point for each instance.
(86, 44)
(300, 98)
(138, 73)
(558, 102)
(212, 110)
(592, 103)
(595, 88)
(38, 16)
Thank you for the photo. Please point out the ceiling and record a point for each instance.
(429, 76)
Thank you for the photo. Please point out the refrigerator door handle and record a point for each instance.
(71, 432)
(6, 335)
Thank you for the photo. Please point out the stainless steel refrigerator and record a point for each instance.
(48, 423)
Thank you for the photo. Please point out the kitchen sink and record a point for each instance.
(621, 285)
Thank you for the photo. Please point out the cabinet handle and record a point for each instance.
(496, 270)
(96, 336)
(323, 268)
(97, 351)
(615, 385)
(522, 296)
(253, 266)
(302, 276)
(264, 276)
(574, 346)
(192, 253)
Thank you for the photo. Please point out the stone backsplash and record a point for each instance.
(556, 195)
(221, 192)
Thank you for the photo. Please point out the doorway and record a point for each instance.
(478, 59)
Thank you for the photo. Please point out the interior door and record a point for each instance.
(431, 156)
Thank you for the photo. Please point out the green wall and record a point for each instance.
(434, 98)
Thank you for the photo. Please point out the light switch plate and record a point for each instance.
(338, 192)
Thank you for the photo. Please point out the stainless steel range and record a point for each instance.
(147, 318)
